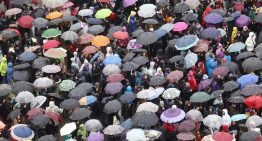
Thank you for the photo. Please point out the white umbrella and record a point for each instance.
(222, 32)
(190, 60)
(194, 115)
(51, 69)
(213, 121)
(253, 121)
(93, 125)
(85, 12)
(193, 4)
(38, 101)
(68, 128)
(158, 92)
(147, 106)
(111, 69)
(146, 93)
(43, 82)
(54, 3)
(171, 93)
(113, 130)
(147, 7)
(24, 97)
(136, 134)
(146, 13)
(70, 36)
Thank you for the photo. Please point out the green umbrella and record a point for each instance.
(67, 85)
(52, 32)
(103, 13)
(200, 97)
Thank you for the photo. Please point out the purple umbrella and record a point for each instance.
(172, 115)
(95, 136)
(186, 126)
(113, 88)
(203, 84)
(211, 33)
(213, 18)
(132, 44)
(127, 3)
(220, 71)
(242, 21)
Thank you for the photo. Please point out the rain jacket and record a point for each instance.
(234, 34)
(9, 72)
(226, 118)
(132, 26)
(192, 81)
(206, 12)
(82, 132)
(211, 65)
(251, 41)
(3, 66)
(53, 108)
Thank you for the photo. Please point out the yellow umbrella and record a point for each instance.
(54, 15)
(103, 13)
(100, 41)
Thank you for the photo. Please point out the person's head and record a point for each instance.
(245, 28)
(109, 50)
(224, 112)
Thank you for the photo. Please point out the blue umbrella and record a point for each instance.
(127, 124)
(160, 33)
(168, 27)
(213, 18)
(238, 117)
(235, 14)
(211, 33)
(22, 132)
(87, 100)
(186, 42)
(114, 59)
(236, 47)
(27, 56)
(247, 79)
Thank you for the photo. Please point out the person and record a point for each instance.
(132, 26)
(81, 133)
(234, 34)
(211, 64)
(3, 68)
(9, 72)
(225, 118)
(109, 51)
(251, 41)
(53, 108)
(245, 33)
(192, 81)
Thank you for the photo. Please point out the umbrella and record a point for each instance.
(67, 85)
(40, 120)
(230, 86)
(93, 125)
(140, 60)
(186, 136)
(190, 17)
(67, 5)
(254, 101)
(220, 71)
(146, 93)
(24, 97)
(160, 33)
(22, 132)
(94, 21)
(4, 92)
(230, 65)
(43, 82)
(176, 59)
(55, 53)
(40, 62)
(8, 34)
(236, 99)
(252, 89)
(38, 12)
(54, 4)
(242, 21)
(85, 38)
(213, 18)
(204, 83)
(222, 136)
(238, 117)
(138, 31)
(171, 93)
(202, 46)
(51, 44)
(175, 76)
(213, 121)
(190, 60)
(20, 86)
(25, 21)
(112, 106)
(51, 32)
(127, 3)
(70, 36)
(172, 115)
(144, 119)
(193, 4)
(68, 128)
(87, 100)
(47, 138)
(121, 35)
(95, 136)
(132, 44)
(180, 26)
(220, 12)
(157, 81)
(181, 8)
(21, 75)
(113, 130)
(51, 69)
(200, 97)
(27, 56)
(76, 26)
(194, 115)
(129, 56)
(96, 29)
(136, 134)
(147, 106)
(86, 86)
(2, 7)
(249, 136)
(103, 13)
(247, 79)
(14, 114)
(113, 59)
(158, 92)
(89, 50)
(211, 33)
(127, 98)
(80, 113)
(77, 93)
(222, 32)
(69, 104)
(253, 121)
(217, 93)
(146, 38)
(258, 18)
(115, 78)
(54, 15)
(100, 41)
(148, 13)
(127, 124)
(111, 69)
(13, 11)
(85, 12)
(147, 6)
(38, 101)
(252, 64)
(186, 42)
(150, 21)
(56, 21)
(186, 126)
(245, 55)
(113, 88)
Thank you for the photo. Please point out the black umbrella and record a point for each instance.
(176, 58)
(190, 17)
(244, 55)
(236, 93)
(27, 56)
(80, 113)
(77, 93)
(157, 81)
(69, 18)
(55, 95)
(22, 86)
(39, 12)
(88, 87)
(3, 139)
(21, 75)
(230, 86)
(127, 98)
(258, 18)
(129, 66)
(40, 120)
(230, 65)
(4, 92)
(249, 136)
(22, 66)
(69, 104)
(140, 60)
(3, 7)
(40, 62)
(252, 89)
(171, 43)
(259, 53)
(112, 106)
(137, 32)
(128, 57)
(94, 21)
(162, 3)
(144, 119)
(181, 8)
(146, 38)
(8, 34)
(56, 21)
(252, 64)
(14, 114)
(20, 2)
(140, 50)
(47, 138)
(217, 93)
(236, 99)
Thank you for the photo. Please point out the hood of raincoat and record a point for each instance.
(3, 66)
(128, 89)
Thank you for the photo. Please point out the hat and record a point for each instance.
(205, 76)
(174, 106)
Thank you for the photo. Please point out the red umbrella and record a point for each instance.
(35, 1)
(174, 76)
(34, 112)
(75, 11)
(115, 78)
(121, 35)
(15, 30)
(222, 136)
(53, 116)
(220, 71)
(89, 50)
(25, 21)
(238, 6)
(254, 101)
(51, 44)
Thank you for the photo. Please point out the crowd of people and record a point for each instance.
(131, 70)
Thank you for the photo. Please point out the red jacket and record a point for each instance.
(206, 12)
(169, 127)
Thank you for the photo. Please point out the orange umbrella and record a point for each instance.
(100, 41)
(121, 35)
(54, 15)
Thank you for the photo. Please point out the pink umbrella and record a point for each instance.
(174, 76)
(180, 26)
(68, 4)
(220, 71)
(115, 78)
(238, 6)
(242, 21)
(127, 3)
(202, 46)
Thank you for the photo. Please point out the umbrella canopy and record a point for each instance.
(186, 42)
(22, 132)
(115, 78)
(211, 33)
(254, 101)
(204, 83)
(77, 93)
(244, 55)
(140, 60)
(113, 59)
(9, 34)
(89, 50)
(69, 104)
(70, 36)
(213, 18)
(121, 35)
(54, 15)
(54, 4)
(236, 47)
(51, 44)
(213, 121)
(190, 60)
(112, 106)
(230, 65)
(21, 75)
(158, 92)
(238, 117)
(132, 44)
(147, 106)
(85, 38)
(136, 134)
(148, 13)
(180, 26)
(96, 29)
(193, 4)
(258, 18)
(171, 93)
(200, 97)
(67, 85)
(100, 41)
(69, 18)
(4, 92)
(68, 128)
(174, 76)
(247, 79)
(127, 98)
(127, 3)
(43, 82)
(222, 136)
(186, 136)
(40, 120)
(27, 56)
(95, 136)
(176, 58)
(51, 69)
(51, 32)
(24, 97)
(146, 93)
(252, 64)
(194, 115)
(236, 99)
(55, 53)
(113, 130)
(20, 86)
(111, 69)
(87, 100)
(230, 86)
(56, 21)
(93, 125)
(25, 21)
(220, 71)
(80, 113)
(40, 62)
(172, 115)
(13, 11)
(38, 12)
(242, 21)
(252, 89)
(249, 136)
(253, 121)
(48, 138)
(85, 12)
(93, 21)
(38, 101)
(129, 56)
(157, 81)
(113, 88)
(190, 17)
(129, 66)
(181, 8)
(103, 13)
(144, 119)
(146, 38)
(186, 126)
(86, 86)
(150, 21)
